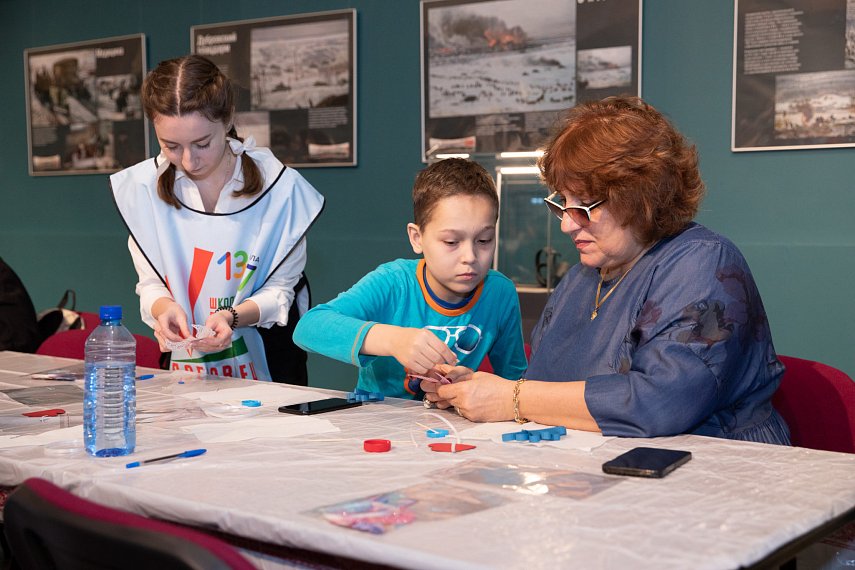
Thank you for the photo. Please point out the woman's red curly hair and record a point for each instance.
(623, 150)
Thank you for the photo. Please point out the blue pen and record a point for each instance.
(189, 453)
(145, 377)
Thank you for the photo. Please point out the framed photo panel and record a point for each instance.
(793, 74)
(296, 81)
(497, 73)
(84, 113)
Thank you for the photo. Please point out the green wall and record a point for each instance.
(790, 211)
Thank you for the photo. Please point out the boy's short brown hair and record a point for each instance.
(450, 177)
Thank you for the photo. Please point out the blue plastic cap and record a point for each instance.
(436, 433)
(110, 312)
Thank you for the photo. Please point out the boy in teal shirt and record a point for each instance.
(410, 315)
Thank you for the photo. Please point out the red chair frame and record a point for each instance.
(818, 403)
(70, 344)
(48, 527)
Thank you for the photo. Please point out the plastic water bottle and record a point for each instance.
(110, 396)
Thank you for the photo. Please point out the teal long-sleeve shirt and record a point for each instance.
(394, 294)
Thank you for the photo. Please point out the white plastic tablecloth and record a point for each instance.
(731, 505)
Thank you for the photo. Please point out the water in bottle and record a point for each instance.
(109, 401)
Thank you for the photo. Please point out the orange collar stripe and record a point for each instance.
(420, 270)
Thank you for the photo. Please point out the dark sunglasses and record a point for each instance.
(579, 214)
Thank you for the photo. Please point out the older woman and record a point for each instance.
(659, 330)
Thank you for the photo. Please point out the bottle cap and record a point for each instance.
(436, 433)
(376, 445)
(110, 312)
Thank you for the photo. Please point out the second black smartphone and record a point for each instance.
(319, 406)
(647, 462)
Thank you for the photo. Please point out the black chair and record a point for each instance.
(49, 528)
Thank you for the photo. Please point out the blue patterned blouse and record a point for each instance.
(682, 345)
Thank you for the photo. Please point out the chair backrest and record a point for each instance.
(148, 352)
(90, 320)
(50, 528)
(818, 403)
(70, 344)
(486, 366)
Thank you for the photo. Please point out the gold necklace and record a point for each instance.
(599, 302)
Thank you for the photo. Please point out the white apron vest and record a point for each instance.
(208, 261)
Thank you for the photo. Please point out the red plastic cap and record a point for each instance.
(376, 445)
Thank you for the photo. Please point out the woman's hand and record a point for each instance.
(478, 396)
(171, 323)
(222, 339)
(453, 373)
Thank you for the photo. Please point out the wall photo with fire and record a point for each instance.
(497, 73)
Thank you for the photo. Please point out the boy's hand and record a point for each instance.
(417, 350)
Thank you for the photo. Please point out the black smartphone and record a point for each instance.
(647, 462)
(319, 406)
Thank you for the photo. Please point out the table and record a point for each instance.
(735, 504)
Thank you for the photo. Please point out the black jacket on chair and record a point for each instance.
(18, 328)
